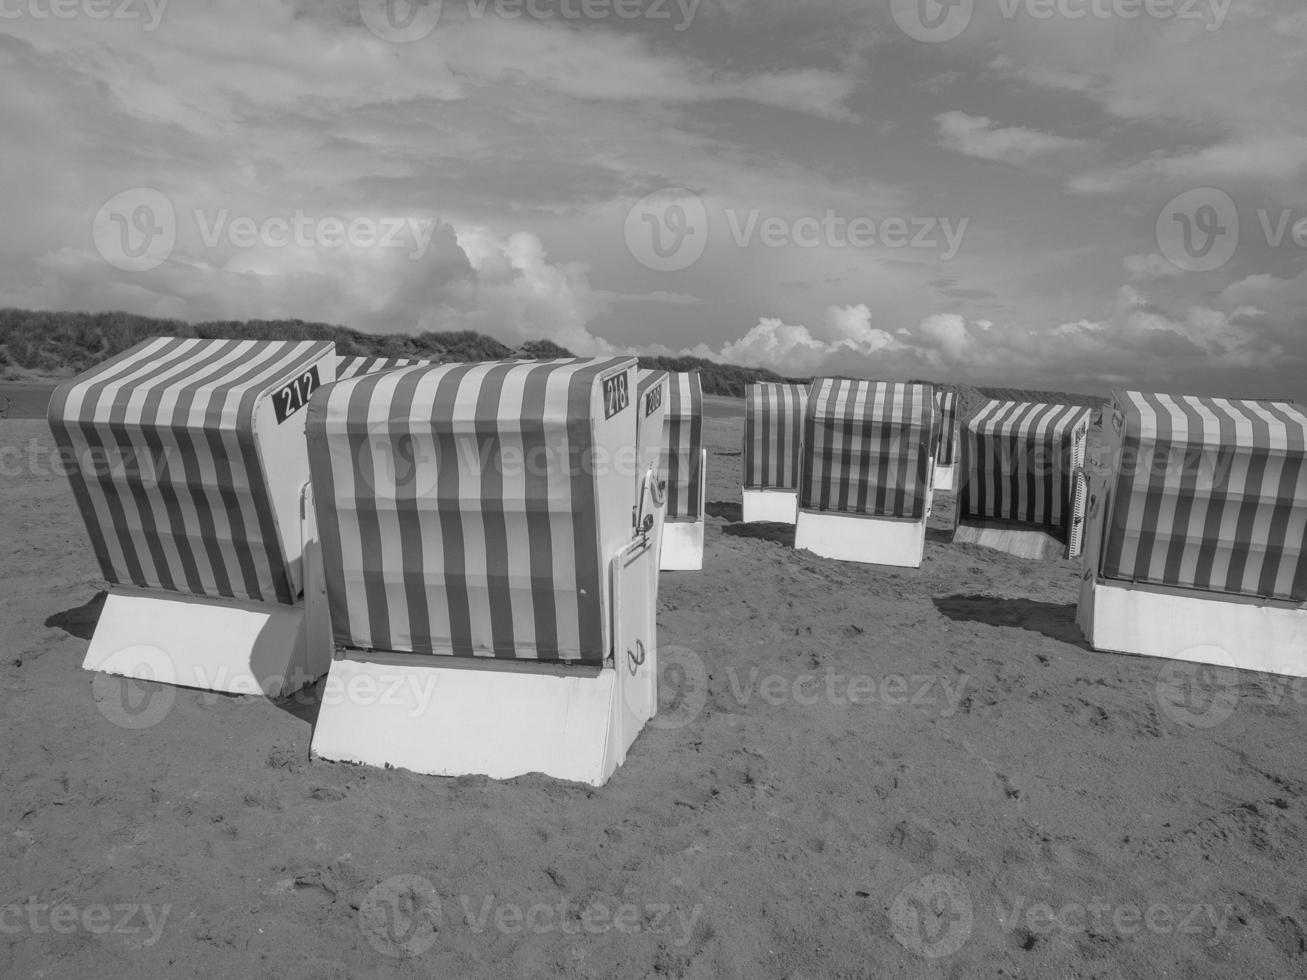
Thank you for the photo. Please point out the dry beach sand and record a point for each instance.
(858, 772)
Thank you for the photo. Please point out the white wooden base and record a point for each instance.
(1185, 626)
(682, 546)
(259, 648)
(1021, 540)
(866, 539)
(944, 476)
(777, 506)
(443, 716)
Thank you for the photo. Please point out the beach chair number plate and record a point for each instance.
(653, 400)
(290, 398)
(617, 394)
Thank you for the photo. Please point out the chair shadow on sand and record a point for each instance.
(80, 621)
(763, 531)
(1054, 620)
(733, 514)
(725, 509)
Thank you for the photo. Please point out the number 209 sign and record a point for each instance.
(291, 397)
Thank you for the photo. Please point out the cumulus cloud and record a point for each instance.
(1270, 158)
(980, 136)
(793, 349)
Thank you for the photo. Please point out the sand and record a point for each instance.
(858, 772)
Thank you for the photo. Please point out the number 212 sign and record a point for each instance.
(290, 398)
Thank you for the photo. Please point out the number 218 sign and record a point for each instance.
(290, 398)
(617, 394)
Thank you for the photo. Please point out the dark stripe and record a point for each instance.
(408, 511)
(1175, 542)
(539, 533)
(490, 447)
(1241, 546)
(695, 447)
(448, 487)
(585, 529)
(365, 438)
(1278, 549)
(1210, 543)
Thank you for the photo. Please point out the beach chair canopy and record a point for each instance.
(773, 431)
(472, 509)
(866, 448)
(653, 397)
(683, 430)
(946, 443)
(176, 491)
(1018, 459)
(1209, 493)
(353, 367)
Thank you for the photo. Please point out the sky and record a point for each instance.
(1069, 194)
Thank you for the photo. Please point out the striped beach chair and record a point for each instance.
(189, 467)
(653, 392)
(773, 437)
(946, 442)
(1196, 539)
(482, 561)
(865, 489)
(354, 367)
(1017, 475)
(685, 469)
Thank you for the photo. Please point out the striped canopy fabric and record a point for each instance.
(354, 367)
(946, 443)
(1017, 461)
(165, 466)
(1210, 494)
(683, 429)
(866, 448)
(460, 506)
(773, 432)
